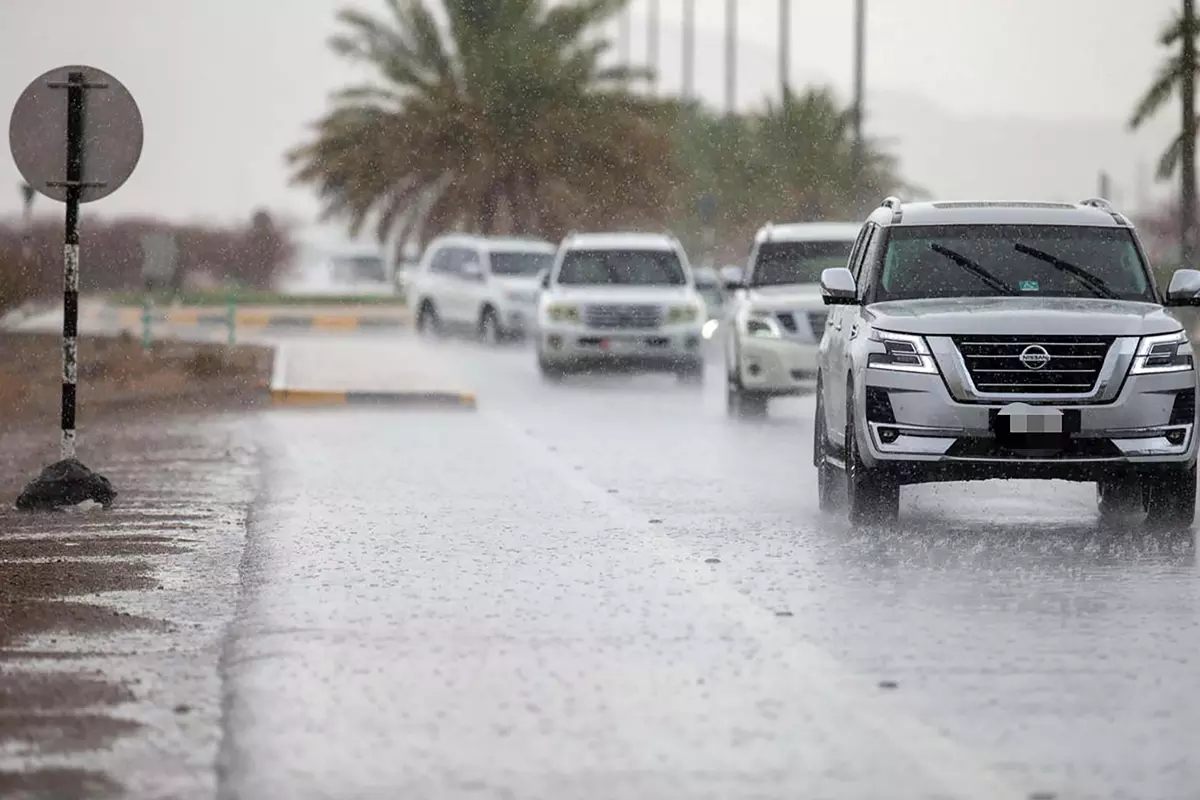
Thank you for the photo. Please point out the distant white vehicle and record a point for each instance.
(778, 314)
(482, 286)
(627, 300)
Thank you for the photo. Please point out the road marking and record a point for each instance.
(958, 770)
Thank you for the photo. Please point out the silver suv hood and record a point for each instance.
(1022, 315)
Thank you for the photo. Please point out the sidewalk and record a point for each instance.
(111, 624)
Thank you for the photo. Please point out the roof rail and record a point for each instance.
(1104, 205)
(896, 205)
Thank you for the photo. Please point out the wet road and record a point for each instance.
(606, 589)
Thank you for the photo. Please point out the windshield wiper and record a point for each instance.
(1089, 280)
(994, 283)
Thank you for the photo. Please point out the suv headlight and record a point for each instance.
(561, 312)
(688, 313)
(902, 352)
(1169, 352)
(761, 325)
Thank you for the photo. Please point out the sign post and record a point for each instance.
(76, 136)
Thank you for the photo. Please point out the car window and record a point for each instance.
(442, 262)
(621, 267)
(780, 263)
(995, 260)
(525, 263)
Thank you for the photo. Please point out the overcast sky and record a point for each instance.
(225, 86)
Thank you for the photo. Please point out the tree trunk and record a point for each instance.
(1187, 88)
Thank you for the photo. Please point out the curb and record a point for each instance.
(256, 319)
(317, 397)
(281, 395)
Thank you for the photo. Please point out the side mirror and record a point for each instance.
(545, 280)
(732, 278)
(1184, 289)
(838, 287)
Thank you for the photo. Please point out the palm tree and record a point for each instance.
(505, 121)
(1179, 72)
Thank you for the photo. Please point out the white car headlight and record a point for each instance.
(562, 312)
(1168, 352)
(762, 325)
(684, 313)
(902, 352)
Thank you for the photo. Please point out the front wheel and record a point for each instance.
(554, 373)
(826, 473)
(742, 404)
(489, 328)
(1170, 499)
(871, 496)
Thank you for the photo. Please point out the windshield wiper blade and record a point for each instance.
(971, 266)
(1096, 284)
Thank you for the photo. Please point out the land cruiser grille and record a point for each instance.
(792, 320)
(623, 316)
(996, 367)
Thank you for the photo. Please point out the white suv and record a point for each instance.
(778, 314)
(483, 286)
(621, 299)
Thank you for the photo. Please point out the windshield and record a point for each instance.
(998, 260)
(520, 263)
(621, 267)
(782, 263)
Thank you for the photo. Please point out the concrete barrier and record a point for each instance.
(428, 390)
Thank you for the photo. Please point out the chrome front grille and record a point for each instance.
(623, 316)
(816, 321)
(795, 321)
(1034, 364)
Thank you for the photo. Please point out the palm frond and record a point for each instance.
(1159, 93)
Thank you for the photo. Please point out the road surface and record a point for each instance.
(607, 589)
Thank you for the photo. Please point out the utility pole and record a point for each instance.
(652, 43)
(860, 43)
(1187, 88)
(689, 50)
(731, 57)
(785, 47)
(625, 37)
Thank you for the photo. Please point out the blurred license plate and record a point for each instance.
(616, 345)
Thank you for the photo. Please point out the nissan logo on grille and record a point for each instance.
(1034, 357)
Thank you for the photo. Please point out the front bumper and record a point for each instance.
(911, 425)
(668, 347)
(776, 366)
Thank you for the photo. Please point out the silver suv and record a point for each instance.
(979, 340)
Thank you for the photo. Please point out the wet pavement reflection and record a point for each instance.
(607, 588)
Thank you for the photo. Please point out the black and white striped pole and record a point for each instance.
(76, 136)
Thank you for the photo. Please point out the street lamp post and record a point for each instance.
(689, 50)
(730, 57)
(860, 37)
(652, 43)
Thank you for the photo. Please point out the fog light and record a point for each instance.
(555, 342)
(1176, 437)
(888, 435)
(754, 370)
(693, 342)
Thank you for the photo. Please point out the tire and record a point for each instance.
(870, 496)
(428, 322)
(827, 474)
(489, 328)
(742, 404)
(1170, 499)
(551, 372)
(1120, 497)
(691, 375)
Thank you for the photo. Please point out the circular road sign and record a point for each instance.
(112, 134)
